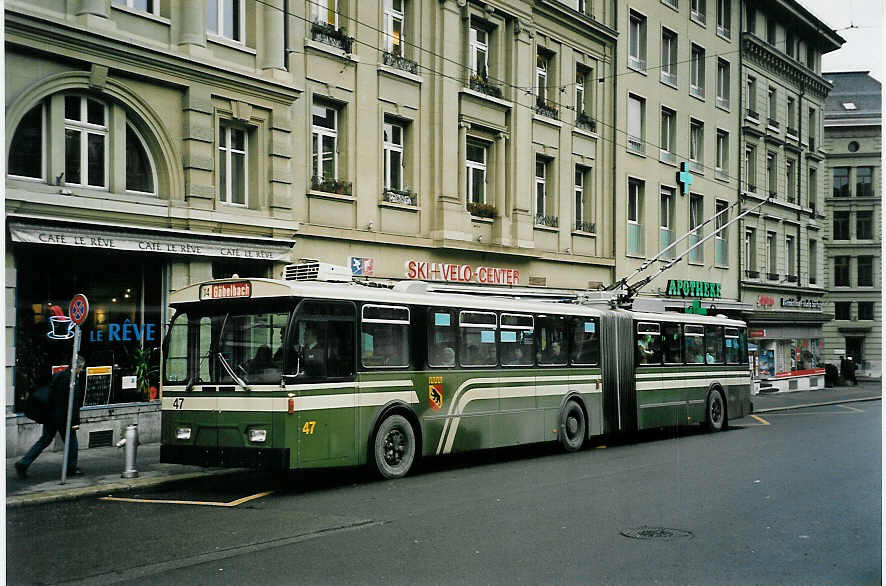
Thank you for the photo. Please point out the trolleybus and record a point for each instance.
(307, 373)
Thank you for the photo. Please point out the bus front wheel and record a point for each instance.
(715, 411)
(572, 426)
(394, 447)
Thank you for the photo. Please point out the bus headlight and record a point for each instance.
(257, 436)
(183, 433)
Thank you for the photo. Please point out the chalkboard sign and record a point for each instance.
(98, 385)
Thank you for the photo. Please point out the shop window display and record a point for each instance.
(123, 330)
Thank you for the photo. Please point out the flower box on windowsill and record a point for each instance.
(546, 108)
(481, 210)
(400, 62)
(589, 227)
(792, 278)
(584, 121)
(327, 33)
(547, 221)
(400, 196)
(482, 85)
(752, 274)
(336, 186)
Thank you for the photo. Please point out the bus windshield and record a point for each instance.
(252, 344)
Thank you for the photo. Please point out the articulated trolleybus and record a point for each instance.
(315, 371)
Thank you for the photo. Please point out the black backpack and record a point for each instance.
(37, 405)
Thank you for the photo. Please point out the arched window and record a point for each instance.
(27, 150)
(139, 165)
(96, 156)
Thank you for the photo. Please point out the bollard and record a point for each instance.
(130, 443)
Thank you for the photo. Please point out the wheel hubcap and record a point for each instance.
(394, 447)
(716, 409)
(571, 426)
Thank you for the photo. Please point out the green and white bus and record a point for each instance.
(305, 373)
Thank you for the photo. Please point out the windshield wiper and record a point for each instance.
(231, 372)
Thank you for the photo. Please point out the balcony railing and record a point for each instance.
(696, 90)
(772, 122)
(752, 114)
(582, 120)
(723, 31)
(636, 63)
(329, 34)
(721, 173)
(696, 255)
(696, 166)
(721, 252)
(667, 157)
(792, 278)
(545, 108)
(330, 185)
(636, 244)
(400, 196)
(484, 86)
(399, 62)
(636, 144)
(723, 102)
(549, 221)
(665, 239)
(589, 227)
(668, 77)
(697, 16)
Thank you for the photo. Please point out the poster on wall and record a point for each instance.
(767, 363)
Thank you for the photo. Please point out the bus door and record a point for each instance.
(320, 374)
(518, 421)
(657, 404)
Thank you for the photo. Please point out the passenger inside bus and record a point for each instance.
(314, 355)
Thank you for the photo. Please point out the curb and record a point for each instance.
(119, 486)
(822, 404)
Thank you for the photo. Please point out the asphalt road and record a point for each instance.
(793, 498)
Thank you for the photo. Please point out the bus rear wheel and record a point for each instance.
(572, 426)
(715, 411)
(394, 447)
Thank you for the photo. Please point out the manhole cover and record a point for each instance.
(655, 533)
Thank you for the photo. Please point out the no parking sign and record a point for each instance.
(79, 308)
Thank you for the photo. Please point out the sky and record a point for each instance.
(863, 49)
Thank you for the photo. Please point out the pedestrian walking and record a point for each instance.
(850, 368)
(56, 420)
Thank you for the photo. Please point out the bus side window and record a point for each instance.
(441, 337)
(385, 335)
(585, 336)
(693, 336)
(713, 339)
(476, 339)
(743, 345)
(516, 340)
(648, 343)
(733, 346)
(552, 342)
(672, 343)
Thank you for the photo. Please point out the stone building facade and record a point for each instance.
(155, 143)
(782, 166)
(677, 103)
(853, 204)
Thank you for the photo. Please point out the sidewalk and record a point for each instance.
(101, 475)
(102, 466)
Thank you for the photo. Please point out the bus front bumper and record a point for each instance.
(229, 457)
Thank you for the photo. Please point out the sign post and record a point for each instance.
(77, 311)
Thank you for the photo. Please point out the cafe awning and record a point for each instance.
(122, 238)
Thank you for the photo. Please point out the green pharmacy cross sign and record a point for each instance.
(681, 288)
(684, 178)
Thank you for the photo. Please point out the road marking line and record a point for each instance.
(761, 420)
(850, 408)
(233, 503)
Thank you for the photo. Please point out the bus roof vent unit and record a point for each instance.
(411, 287)
(313, 270)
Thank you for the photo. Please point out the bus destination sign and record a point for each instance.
(226, 290)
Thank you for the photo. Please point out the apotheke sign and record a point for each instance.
(681, 288)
